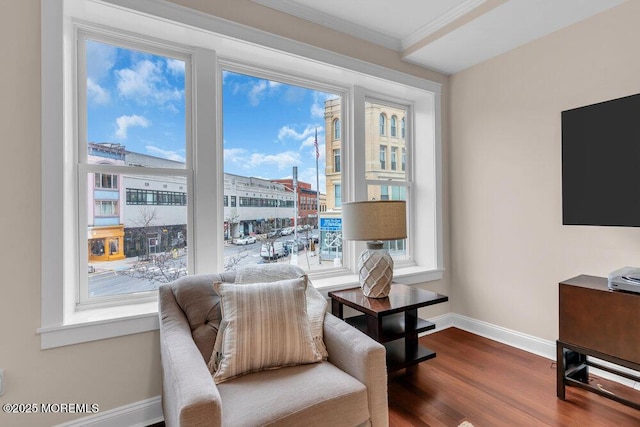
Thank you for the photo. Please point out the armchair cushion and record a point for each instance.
(264, 326)
(316, 303)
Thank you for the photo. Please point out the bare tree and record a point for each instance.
(161, 268)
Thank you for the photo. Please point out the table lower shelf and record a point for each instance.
(397, 357)
(393, 326)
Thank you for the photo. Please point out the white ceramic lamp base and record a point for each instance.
(375, 269)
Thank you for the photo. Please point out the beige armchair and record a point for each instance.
(348, 389)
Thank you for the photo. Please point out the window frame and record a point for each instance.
(157, 22)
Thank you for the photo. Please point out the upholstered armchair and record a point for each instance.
(347, 388)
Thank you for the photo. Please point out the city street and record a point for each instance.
(130, 275)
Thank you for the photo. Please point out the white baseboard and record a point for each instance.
(529, 343)
(147, 412)
(139, 414)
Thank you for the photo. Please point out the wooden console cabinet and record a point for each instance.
(600, 323)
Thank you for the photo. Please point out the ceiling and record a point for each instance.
(444, 35)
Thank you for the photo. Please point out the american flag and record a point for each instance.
(315, 144)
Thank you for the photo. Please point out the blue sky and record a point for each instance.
(137, 100)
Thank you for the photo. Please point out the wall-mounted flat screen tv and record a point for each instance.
(601, 163)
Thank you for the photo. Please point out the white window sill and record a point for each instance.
(102, 323)
(408, 275)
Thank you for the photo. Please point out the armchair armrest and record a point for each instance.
(189, 395)
(364, 359)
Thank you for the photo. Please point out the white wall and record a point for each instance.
(509, 249)
(114, 372)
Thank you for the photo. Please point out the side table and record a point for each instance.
(392, 321)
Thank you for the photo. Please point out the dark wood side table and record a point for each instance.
(596, 322)
(392, 321)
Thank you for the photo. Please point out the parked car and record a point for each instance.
(287, 231)
(245, 240)
(273, 250)
(274, 233)
(294, 246)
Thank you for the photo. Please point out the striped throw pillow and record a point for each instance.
(264, 326)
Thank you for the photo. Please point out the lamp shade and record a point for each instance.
(374, 220)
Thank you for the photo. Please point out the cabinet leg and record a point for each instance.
(560, 370)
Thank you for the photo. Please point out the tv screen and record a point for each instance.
(601, 163)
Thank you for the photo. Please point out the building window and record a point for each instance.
(383, 157)
(337, 191)
(336, 129)
(233, 201)
(394, 126)
(106, 208)
(384, 192)
(226, 200)
(383, 124)
(394, 158)
(104, 180)
(404, 159)
(402, 128)
(336, 160)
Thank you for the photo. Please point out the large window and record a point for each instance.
(133, 111)
(135, 162)
(273, 205)
(388, 183)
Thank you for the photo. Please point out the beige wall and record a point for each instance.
(509, 248)
(113, 372)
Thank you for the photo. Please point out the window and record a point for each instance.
(404, 159)
(336, 129)
(293, 123)
(134, 95)
(154, 190)
(103, 180)
(383, 183)
(337, 191)
(402, 127)
(394, 158)
(394, 126)
(106, 208)
(384, 192)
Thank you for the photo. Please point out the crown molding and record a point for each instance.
(334, 23)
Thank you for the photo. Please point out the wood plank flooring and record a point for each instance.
(491, 384)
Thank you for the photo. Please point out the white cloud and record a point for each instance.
(235, 155)
(175, 66)
(256, 93)
(125, 122)
(165, 154)
(97, 94)
(145, 83)
(281, 160)
(287, 132)
(308, 175)
(100, 60)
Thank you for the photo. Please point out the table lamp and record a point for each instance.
(374, 221)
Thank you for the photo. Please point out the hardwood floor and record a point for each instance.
(491, 384)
